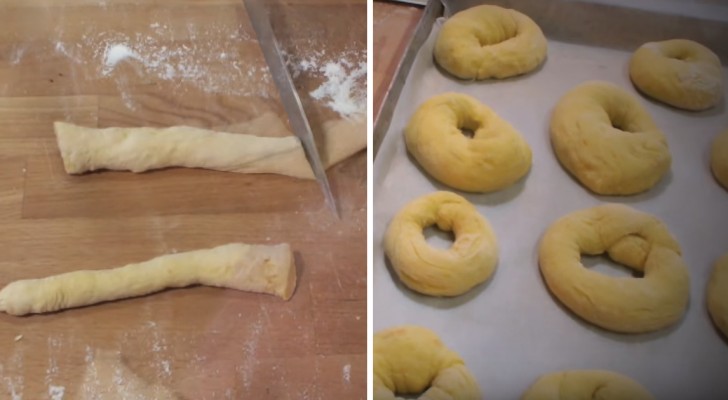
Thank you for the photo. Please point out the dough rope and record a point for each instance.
(605, 138)
(682, 73)
(494, 158)
(717, 294)
(632, 238)
(252, 268)
(586, 385)
(143, 149)
(410, 360)
(470, 260)
(489, 42)
(719, 158)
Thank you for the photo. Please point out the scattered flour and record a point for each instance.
(247, 369)
(166, 367)
(340, 89)
(344, 75)
(56, 392)
(116, 53)
(346, 373)
(204, 62)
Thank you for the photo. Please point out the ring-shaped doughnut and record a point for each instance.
(489, 42)
(718, 294)
(604, 137)
(719, 158)
(470, 260)
(632, 238)
(495, 157)
(682, 73)
(586, 385)
(411, 359)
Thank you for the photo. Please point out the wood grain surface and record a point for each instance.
(194, 63)
(394, 24)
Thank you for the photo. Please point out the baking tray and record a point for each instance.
(510, 329)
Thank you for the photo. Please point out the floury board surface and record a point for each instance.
(164, 63)
(510, 330)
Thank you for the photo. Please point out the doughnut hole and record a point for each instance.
(620, 119)
(681, 54)
(437, 238)
(504, 30)
(604, 265)
(626, 256)
(468, 127)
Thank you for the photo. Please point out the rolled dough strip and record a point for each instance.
(252, 268)
(246, 151)
(142, 149)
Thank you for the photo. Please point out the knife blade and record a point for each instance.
(260, 20)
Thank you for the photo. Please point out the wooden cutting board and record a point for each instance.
(186, 62)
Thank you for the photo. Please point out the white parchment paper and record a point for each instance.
(510, 330)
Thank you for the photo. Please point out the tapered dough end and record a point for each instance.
(65, 138)
(289, 283)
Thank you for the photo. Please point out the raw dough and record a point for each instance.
(489, 42)
(586, 385)
(718, 294)
(253, 268)
(411, 359)
(470, 260)
(679, 72)
(632, 238)
(142, 149)
(494, 158)
(719, 158)
(604, 137)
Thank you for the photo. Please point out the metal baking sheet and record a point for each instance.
(510, 330)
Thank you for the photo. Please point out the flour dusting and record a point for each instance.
(116, 53)
(340, 91)
(204, 62)
(344, 74)
(56, 392)
(346, 373)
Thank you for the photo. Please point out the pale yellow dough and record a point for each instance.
(719, 158)
(586, 385)
(246, 151)
(494, 158)
(489, 42)
(718, 294)
(604, 137)
(412, 360)
(470, 260)
(632, 238)
(678, 72)
(253, 268)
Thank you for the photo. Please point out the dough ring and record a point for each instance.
(411, 359)
(632, 238)
(489, 42)
(719, 158)
(605, 138)
(495, 157)
(678, 72)
(470, 260)
(254, 268)
(718, 294)
(586, 385)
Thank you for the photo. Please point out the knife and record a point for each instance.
(260, 19)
